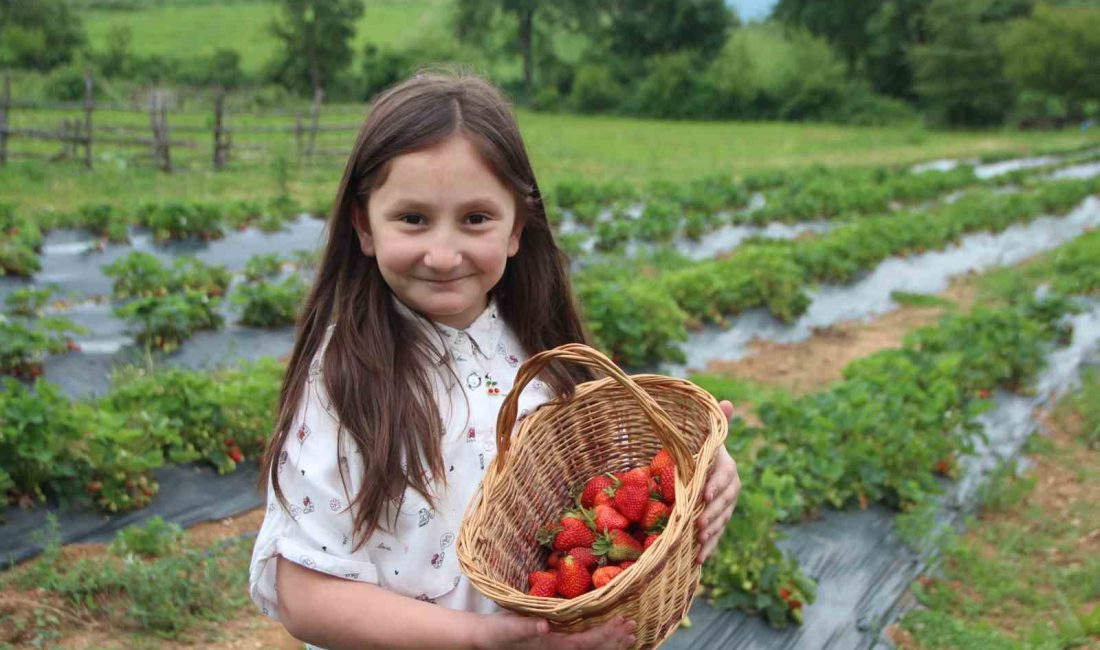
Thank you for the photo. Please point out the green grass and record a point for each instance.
(595, 148)
(196, 30)
(907, 299)
(1023, 576)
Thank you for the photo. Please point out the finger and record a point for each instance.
(727, 409)
(719, 512)
(708, 548)
(721, 470)
(606, 634)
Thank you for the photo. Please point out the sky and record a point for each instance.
(752, 9)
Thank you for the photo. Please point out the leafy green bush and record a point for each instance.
(270, 304)
(638, 323)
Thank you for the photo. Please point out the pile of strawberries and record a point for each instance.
(617, 517)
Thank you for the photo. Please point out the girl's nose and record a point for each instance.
(442, 256)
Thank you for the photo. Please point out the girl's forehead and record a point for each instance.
(453, 170)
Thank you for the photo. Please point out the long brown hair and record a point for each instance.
(381, 390)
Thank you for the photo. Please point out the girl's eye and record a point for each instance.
(405, 217)
(481, 218)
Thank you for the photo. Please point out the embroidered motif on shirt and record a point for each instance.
(424, 597)
(445, 541)
(282, 460)
(425, 516)
(471, 435)
(307, 561)
(303, 433)
(295, 512)
(307, 506)
(334, 504)
(473, 380)
(383, 546)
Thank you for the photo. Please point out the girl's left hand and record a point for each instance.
(720, 494)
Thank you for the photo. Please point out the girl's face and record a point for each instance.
(442, 227)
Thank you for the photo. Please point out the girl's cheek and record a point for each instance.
(398, 253)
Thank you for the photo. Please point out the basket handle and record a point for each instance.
(666, 431)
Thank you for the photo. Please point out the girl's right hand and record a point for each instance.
(516, 632)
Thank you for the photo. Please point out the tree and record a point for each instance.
(316, 41)
(639, 29)
(892, 31)
(477, 20)
(959, 72)
(1055, 53)
(841, 22)
(39, 34)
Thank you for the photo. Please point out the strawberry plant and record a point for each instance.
(20, 244)
(260, 267)
(29, 302)
(138, 275)
(638, 323)
(270, 304)
(164, 322)
(105, 221)
(182, 220)
(25, 343)
(36, 441)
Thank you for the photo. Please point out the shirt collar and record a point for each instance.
(446, 341)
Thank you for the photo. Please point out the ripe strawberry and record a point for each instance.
(571, 532)
(553, 560)
(656, 516)
(637, 476)
(984, 393)
(585, 556)
(659, 461)
(602, 499)
(236, 455)
(649, 539)
(630, 500)
(626, 564)
(784, 594)
(543, 583)
(617, 545)
(594, 486)
(573, 578)
(667, 480)
(606, 518)
(604, 575)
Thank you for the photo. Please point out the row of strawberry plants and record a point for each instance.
(815, 193)
(777, 275)
(103, 451)
(898, 420)
(167, 220)
(27, 337)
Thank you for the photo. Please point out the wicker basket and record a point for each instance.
(609, 424)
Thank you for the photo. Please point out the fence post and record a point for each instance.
(298, 132)
(318, 96)
(5, 103)
(88, 107)
(165, 136)
(220, 146)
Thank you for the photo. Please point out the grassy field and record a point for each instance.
(561, 146)
(196, 30)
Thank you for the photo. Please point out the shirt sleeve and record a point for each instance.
(316, 529)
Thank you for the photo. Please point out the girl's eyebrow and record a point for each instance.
(421, 206)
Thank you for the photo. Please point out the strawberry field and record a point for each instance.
(140, 346)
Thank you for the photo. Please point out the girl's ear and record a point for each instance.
(517, 231)
(362, 228)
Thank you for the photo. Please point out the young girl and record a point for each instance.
(439, 278)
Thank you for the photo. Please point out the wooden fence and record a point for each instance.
(79, 134)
